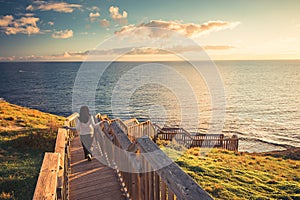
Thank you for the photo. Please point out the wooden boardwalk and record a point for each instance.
(91, 180)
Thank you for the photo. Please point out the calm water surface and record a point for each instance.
(262, 97)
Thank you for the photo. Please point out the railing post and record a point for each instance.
(236, 142)
(221, 140)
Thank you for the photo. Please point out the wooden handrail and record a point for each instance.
(72, 117)
(141, 178)
(47, 181)
(100, 117)
(121, 124)
(60, 147)
(120, 136)
(141, 129)
(176, 180)
(53, 178)
(131, 122)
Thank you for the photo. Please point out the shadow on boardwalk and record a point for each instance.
(91, 180)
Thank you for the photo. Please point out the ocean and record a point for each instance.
(261, 101)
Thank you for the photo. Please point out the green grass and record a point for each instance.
(229, 175)
(25, 135)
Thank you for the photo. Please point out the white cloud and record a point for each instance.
(51, 23)
(156, 51)
(29, 14)
(24, 25)
(93, 16)
(115, 14)
(32, 30)
(67, 55)
(55, 6)
(28, 21)
(63, 34)
(218, 47)
(104, 23)
(147, 51)
(29, 30)
(6, 20)
(30, 8)
(97, 14)
(8, 58)
(93, 8)
(103, 54)
(188, 30)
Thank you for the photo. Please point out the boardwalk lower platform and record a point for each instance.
(91, 180)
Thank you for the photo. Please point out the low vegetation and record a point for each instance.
(25, 134)
(235, 175)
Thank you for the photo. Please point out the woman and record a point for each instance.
(85, 125)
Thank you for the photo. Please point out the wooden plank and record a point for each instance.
(91, 180)
(47, 181)
(98, 187)
(146, 185)
(95, 195)
(60, 148)
(183, 186)
(151, 185)
(131, 122)
(138, 186)
(157, 187)
(85, 181)
(170, 195)
(72, 117)
(134, 186)
(142, 192)
(120, 136)
(163, 191)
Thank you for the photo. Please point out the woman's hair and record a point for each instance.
(84, 114)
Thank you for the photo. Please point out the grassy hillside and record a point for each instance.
(25, 135)
(229, 175)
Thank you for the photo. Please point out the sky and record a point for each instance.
(35, 30)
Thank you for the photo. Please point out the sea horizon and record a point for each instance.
(77, 61)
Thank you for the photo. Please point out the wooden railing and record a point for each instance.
(137, 129)
(180, 135)
(53, 178)
(141, 129)
(183, 137)
(231, 144)
(121, 124)
(100, 117)
(131, 122)
(144, 170)
(47, 181)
